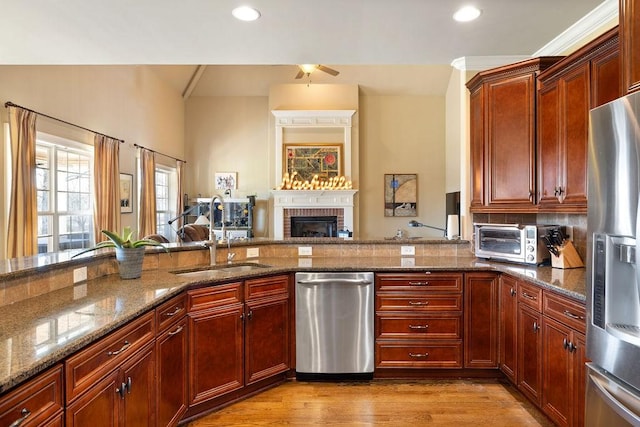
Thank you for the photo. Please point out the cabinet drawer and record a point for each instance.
(418, 354)
(420, 327)
(267, 286)
(35, 401)
(171, 311)
(214, 296)
(89, 365)
(419, 302)
(571, 313)
(530, 295)
(427, 281)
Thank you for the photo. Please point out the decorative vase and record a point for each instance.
(130, 262)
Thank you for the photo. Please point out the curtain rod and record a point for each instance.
(157, 152)
(11, 104)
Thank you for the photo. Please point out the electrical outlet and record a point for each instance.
(80, 291)
(79, 274)
(253, 252)
(305, 251)
(408, 262)
(305, 262)
(407, 250)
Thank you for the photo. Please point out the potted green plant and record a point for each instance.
(129, 253)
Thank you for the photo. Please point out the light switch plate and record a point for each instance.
(79, 274)
(407, 250)
(305, 251)
(253, 252)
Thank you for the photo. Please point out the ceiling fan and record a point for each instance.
(307, 69)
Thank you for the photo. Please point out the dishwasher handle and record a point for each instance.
(335, 281)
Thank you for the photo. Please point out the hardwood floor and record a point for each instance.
(382, 403)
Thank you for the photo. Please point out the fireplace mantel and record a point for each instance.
(311, 199)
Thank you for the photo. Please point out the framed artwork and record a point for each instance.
(126, 193)
(226, 180)
(401, 194)
(309, 159)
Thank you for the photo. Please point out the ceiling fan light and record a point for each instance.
(466, 14)
(308, 68)
(245, 13)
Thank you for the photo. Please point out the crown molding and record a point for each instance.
(481, 63)
(599, 16)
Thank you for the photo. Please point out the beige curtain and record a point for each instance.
(180, 196)
(106, 207)
(147, 193)
(22, 232)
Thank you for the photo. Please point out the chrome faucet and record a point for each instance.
(230, 255)
(213, 242)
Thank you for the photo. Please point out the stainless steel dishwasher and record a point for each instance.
(334, 326)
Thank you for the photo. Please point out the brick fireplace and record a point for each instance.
(311, 203)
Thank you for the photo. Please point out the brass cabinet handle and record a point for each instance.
(418, 326)
(418, 302)
(177, 331)
(419, 355)
(418, 283)
(25, 414)
(117, 352)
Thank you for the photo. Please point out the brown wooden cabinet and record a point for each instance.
(564, 359)
(419, 320)
(38, 402)
(112, 382)
(529, 374)
(172, 361)
(503, 136)
(508, 326)
(481, 320)
(630, 44)
(566, 93)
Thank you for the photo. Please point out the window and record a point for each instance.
(64, 194)
(165, 184)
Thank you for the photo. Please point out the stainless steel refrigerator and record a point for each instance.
(613, 273)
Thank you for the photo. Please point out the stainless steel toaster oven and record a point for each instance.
(512, 242)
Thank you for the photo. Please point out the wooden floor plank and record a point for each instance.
(382, 403)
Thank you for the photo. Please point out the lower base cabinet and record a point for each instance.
(171, 349)
(529, 353)
(481, 320)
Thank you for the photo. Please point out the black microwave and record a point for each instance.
(512, 242)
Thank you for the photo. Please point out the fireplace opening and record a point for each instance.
(314, 226)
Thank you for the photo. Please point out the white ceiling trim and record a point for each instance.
(599, 16)
(480, 63)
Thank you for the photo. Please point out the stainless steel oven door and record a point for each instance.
(610, 402)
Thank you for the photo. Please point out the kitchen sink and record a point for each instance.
(221, 270)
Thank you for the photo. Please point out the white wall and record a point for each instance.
(126, 102)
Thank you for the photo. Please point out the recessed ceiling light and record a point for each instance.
(246, 13)
(466, 14)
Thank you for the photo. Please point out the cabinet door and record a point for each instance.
(215, 352)
(266, 338)
(529, 353)
(138, 376)
(630, 40)
(481, 320)
(548, 143)
(557, 361)
(510, 133)
(508, 327)
(477, 150)
(606, 76)
(578, 382)
(99, 406)
(171, 351)
(575, 123)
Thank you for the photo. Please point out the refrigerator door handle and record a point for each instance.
(615, 404)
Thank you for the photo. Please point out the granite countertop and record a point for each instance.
(38, 332)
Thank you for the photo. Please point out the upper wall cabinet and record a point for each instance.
(566, 92)
(630, 44)
(503, 136)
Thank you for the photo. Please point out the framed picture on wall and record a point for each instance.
(401, 194)
(309, 159)
(126, 193)
(226, 180)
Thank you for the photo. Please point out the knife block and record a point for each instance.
(568, 257)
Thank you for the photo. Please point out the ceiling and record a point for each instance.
(385, 46)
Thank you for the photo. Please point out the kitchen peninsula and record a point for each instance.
(48, 322)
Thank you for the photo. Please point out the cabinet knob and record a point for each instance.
(536, 327)
(512, 292)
